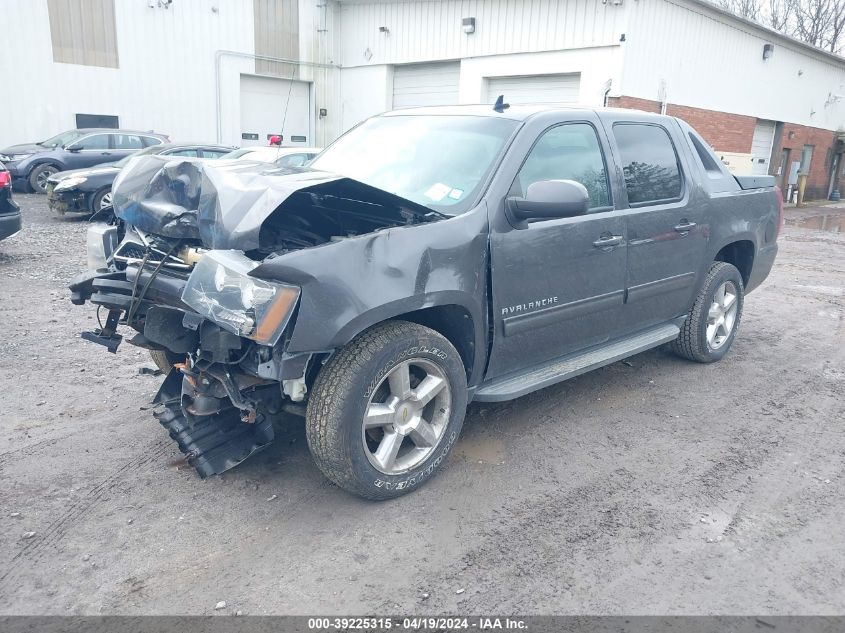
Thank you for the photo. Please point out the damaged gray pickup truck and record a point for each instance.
(428, 258)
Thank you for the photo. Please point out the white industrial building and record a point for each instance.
(219, 70)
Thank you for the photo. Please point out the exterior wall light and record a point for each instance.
(468, 25)
(383, 29)
(768, 51)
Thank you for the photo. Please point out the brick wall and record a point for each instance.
(822, 141)
(734, 132)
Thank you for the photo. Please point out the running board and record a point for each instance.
(511, 387)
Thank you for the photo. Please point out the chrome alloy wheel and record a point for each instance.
(105, 201)
(42, 176)
(721, 317)
(406, 416)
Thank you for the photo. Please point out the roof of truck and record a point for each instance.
(514, 112)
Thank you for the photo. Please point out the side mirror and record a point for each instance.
(72, 148)
(546, 200)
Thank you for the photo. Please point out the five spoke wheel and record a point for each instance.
(406, 416)
(721, 316)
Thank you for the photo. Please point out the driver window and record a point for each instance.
(96, 141)
(567, 152)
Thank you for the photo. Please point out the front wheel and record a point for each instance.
(713, 322)
(386, 410)
(39, 175)
(101, 200)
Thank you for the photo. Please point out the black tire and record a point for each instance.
(41, 173)
(342, 393)
(165, 359)
(97, 199)
(693, 342)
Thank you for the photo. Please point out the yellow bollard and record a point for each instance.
(802, 185)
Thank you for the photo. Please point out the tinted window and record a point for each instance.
(97, 141)
(649, 163)
(567, 152)
(127, 141)
(213, 153)
(293, 160)
(183, 152)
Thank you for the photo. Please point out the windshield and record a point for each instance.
(437, 161)
(62, 139)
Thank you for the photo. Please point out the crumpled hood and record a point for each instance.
(225, 202)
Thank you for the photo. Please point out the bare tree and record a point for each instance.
(817, 22)
(745, 8)
(778, 15)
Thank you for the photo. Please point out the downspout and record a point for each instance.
(219, 54)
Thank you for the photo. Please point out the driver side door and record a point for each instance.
(559, 284)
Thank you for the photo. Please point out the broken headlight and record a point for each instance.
(221, 290)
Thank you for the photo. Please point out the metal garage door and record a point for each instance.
(263, 104)
(426, 84)
(535, 88)
(761, 146)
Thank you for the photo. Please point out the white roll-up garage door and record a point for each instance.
(761, 146)
(426, 84)
(535, 88)
(275, 106)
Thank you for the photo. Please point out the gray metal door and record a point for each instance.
(558, 285)
(667, 236)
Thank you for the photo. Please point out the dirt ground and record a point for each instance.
(651, 486)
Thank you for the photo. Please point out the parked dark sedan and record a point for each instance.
(89, 190)
(10, 214)
(32, 164)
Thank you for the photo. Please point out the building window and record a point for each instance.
(83, 32)
(97, 120)
(806, 159)
(649, 162)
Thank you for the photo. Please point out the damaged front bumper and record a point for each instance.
(218, 403)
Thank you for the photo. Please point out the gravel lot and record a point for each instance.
(650, 486)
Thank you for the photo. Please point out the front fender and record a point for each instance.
(350, 285)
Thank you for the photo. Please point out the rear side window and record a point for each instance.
(127, 141)
(213, 153)
(567, 152)
(149, 141)
(649, 162)
(184, 152)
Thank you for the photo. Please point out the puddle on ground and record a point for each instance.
(831, 222)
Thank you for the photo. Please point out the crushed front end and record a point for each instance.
(222, 390)
(174, 265)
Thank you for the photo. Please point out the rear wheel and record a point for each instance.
(39, 175)
(712, 325)
(386, 410)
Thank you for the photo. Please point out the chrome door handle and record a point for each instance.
(684, 226)
(612, 240)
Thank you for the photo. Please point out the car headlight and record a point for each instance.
(5, 158)
(221, 290)
(69, 183)
(15, 157)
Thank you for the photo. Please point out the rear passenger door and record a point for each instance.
(667, 233)
(126, 144)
